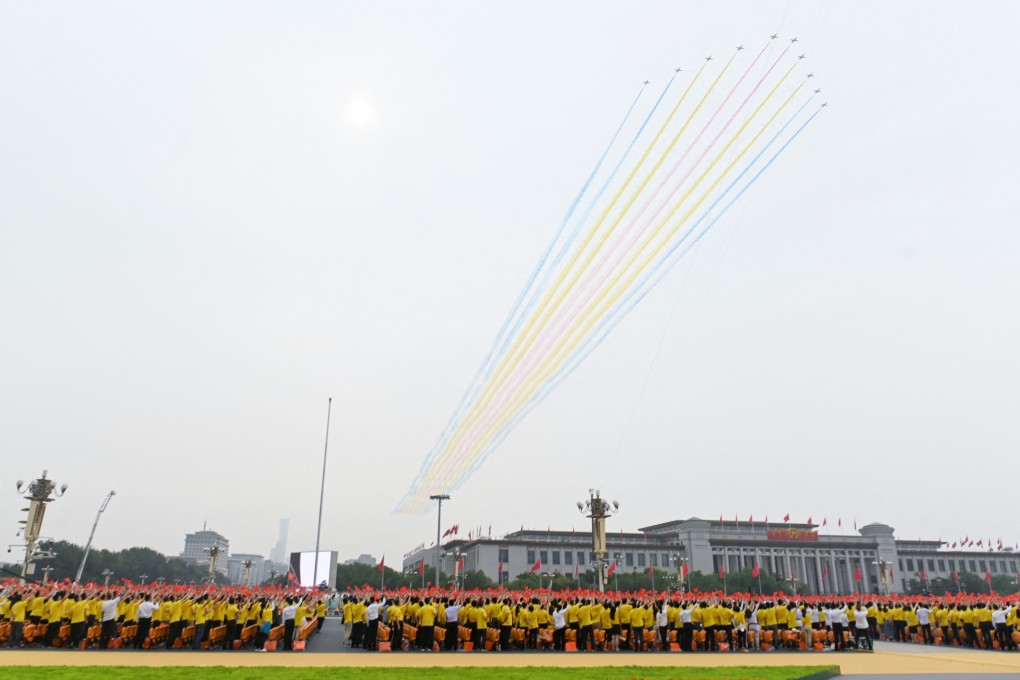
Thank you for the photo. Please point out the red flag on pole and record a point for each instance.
(576, 569)
(825, 521)
(988, 578)
(786, 517)
(382, 564)
(924, 574)
(537, 565)
(722, 571)
(809, 520)
(857, 573)
(460, 564)
(421, 567)
(956, 576)
(651, 570)
(501, 569)
(825, 570)
(755, 571)
(684, 574)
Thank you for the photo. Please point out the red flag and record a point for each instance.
(809, 520)
(612, 567)
(988, 578)
(825, 570)
(421, 567)
(857, 573)
(786, 517)
(766, 519)
(755, 571)
(382, 564)
(736, 520)
(750, 520)
(576, 569)
(953, 546)
(825, 521)
(501, 570)
(840, 522)
(291, 578)
(891, 573)
(924, 574)
(722, 571)
(460, 564)
(650, 570)
(536, 566)
(956, 576)
(980, 541)
(684, 574)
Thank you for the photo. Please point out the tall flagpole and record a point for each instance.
(322, 494)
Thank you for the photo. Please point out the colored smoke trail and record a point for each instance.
(607, 264)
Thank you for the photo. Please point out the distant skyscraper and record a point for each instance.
(279, 553)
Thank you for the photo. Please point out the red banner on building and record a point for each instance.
(792, 535)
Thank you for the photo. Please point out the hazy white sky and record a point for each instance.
(213, 216)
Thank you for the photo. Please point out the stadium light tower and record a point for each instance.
(598, 510)
(40, 492)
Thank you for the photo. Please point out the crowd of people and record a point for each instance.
(232, 617)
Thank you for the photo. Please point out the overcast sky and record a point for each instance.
(215, 215)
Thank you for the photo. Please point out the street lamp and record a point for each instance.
(247, 570)
(38, 491)
(106, 574)
(598, 510)
(143, 577)
(439, 526)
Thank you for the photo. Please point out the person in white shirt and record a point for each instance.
(145, 610)
(452, 617)
(1000, 614)
(862, 630)
(288, 614)
(372, 617)
(109, 621)
(924, 623)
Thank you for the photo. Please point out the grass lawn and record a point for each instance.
(435, 673)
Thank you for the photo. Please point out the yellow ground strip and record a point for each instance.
(879, 662)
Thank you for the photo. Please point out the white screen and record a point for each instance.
(308, 569)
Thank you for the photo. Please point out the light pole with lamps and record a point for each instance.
(598, 510)
(38, 491)
(106, 574)
(439, 527)
(883, 576)
(214, 551)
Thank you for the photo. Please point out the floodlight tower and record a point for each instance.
(39, 494)
(598, 510)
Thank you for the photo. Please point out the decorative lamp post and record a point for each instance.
(598, 510)
(38, 495)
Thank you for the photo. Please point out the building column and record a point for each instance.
(833, 576)
(818, 572)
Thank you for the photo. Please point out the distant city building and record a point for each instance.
(363, 559)
(870, 560)
(197, 545)
(256, 573)
(279, 554)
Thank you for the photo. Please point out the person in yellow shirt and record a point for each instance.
(231, 612)
(478, 625)
(709, 621)
(346, 613)
(637, 626)
(506, 622)
(17, 613)
(202, 611)
(427, 625)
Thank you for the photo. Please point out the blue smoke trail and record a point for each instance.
(635, 296)
(498, 346)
